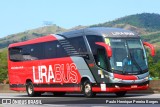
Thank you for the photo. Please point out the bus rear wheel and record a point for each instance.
(121, 93)
(30, 90)
(87, 89)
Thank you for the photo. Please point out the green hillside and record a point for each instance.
(147, 21)
(153, 38)
(30, 34)
(144, 24)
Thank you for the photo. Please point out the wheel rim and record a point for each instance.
(30, 89)
(87, 89)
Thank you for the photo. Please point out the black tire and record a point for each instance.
(121, 93)
(87, 89)
(59, 94)
(30, 90)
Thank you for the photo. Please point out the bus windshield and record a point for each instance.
(128, 56)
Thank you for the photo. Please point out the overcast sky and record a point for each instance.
(20, 15)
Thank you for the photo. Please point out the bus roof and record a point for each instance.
(99, 31)
(106, 32)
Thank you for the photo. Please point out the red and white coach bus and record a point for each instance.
(89, 60)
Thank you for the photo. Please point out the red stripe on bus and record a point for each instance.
(33, 41)
(62, 89)
(125, 77)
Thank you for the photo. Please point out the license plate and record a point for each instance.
(134, 86)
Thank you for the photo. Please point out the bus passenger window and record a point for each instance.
(50, 50)
(15, 54)
(78, 44)
(26, 52)
(60, 52)
(37, 51)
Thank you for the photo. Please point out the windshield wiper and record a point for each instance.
(137, 65)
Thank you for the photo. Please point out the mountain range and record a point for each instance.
(145, 24)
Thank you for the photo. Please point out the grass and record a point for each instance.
(155, 78)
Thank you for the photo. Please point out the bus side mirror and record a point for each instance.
(152, 50)
(107, 48)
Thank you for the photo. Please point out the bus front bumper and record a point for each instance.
(119, 87)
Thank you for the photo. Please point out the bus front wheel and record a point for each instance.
(87, 89)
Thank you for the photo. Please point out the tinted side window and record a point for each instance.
(15, 54)
(53, 49)
(92, 39)
(60, 51)
(99, 53)
(50, 49)
(78, 44)
(37, 51)
(26, 53)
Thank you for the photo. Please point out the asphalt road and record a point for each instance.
(78, 100)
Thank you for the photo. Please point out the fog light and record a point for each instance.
(117, 86)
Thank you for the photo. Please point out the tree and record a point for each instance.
(3, 66)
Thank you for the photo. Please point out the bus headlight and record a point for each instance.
(146, 78)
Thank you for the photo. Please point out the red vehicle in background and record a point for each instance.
(89, 60)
